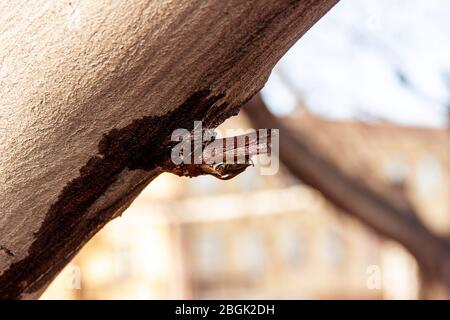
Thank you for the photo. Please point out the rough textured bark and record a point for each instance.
(90, 93)
(378, 206)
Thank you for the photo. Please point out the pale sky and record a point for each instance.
(371, 58)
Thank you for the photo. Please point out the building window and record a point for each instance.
(291, 246)
(332, 248)
(428, 176)
(123, 261)
(209, 249)
(397, 170)
(251, 254)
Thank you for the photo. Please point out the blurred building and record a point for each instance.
(268, 236)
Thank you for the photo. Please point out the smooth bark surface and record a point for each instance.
(90, 92)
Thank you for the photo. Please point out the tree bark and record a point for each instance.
(388, 215)
(90, 93)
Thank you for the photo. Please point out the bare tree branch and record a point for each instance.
(383, 214)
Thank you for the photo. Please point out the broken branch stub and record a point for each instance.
(222, 158)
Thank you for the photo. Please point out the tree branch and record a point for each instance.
(91, 92)
(381, 213)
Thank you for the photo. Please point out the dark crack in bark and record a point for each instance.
(143, 144)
